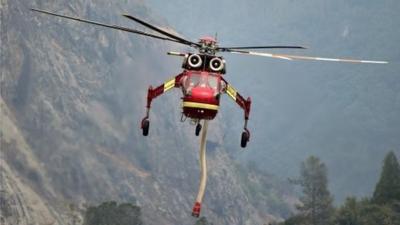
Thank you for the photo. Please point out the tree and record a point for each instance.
(372, 214)
(110, 213)
(316, 208)
(365, 212)
(349, 213)
(387, 190)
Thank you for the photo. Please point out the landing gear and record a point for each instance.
(153, 93)
(198, 129)
(245, 139)
(145, 127)
(245, 104)
(245, 135)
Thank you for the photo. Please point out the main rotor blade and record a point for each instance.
(292, 57)
(109, 26)
(227, 49)
(148, 25)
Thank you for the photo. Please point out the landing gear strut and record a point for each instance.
(153, 93)
(245, 105)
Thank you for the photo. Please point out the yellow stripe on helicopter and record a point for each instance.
(169, 84)
(200, 105)
(231, 92)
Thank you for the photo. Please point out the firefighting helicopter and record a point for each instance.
(202, 81)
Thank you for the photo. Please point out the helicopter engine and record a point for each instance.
(202, 62)
(216, 64)
(195, 61)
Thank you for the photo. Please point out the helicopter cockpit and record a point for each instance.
(202, 84)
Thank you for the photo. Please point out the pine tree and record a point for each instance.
(316, 208)
(387, 190)
(349, 213)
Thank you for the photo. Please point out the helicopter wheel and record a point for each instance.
(244, 140)
(198, 129)
(145, 127)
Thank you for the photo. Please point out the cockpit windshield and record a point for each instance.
(200, 80)
(213, 82)
(194, 80)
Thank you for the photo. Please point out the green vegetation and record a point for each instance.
(316, 207)
(110, 213)
(388, 188)
(364, 212)
(383, 208)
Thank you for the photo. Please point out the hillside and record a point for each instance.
(72, 96)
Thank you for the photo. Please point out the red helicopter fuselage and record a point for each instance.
(202, 84)
(201, 94)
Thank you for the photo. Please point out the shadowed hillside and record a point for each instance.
(72, 96)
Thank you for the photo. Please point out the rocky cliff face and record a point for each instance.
(72, 96)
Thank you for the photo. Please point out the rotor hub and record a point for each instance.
(208, 45)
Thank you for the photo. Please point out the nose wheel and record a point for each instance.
(198, 129)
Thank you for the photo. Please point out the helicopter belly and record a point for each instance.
(199, 110)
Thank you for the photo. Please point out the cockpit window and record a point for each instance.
(213, 82)
(193, 80)
(199, 80)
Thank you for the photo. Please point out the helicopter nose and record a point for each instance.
(202, 92)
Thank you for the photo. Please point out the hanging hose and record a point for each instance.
(203, 172)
